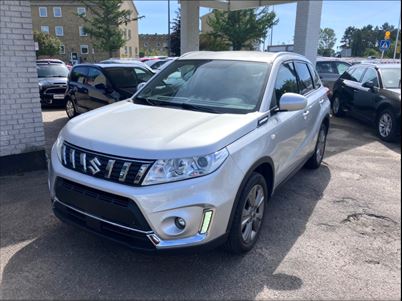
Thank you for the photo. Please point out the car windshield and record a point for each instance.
(217, 86)
(122, 77)
(391, 78)
(52, 70)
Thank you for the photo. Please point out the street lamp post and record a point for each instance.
(397, 36)
(169, 38)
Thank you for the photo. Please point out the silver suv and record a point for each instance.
(193, 157)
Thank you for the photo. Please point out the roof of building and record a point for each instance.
(257, 56)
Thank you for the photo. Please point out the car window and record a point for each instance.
(51, 70)
(286, 81)
(122, 77)
(96, 78)
(325, 67)
(370, 76)
(316, 78)
(78, 74)
(391, 78)
(305, 80)
(341, 67)
(356, 73)
(143, 75)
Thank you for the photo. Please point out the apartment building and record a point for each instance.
(61, 19)
(153, 44)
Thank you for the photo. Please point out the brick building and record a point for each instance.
(60, 18)
(22, 137)
(153, 44)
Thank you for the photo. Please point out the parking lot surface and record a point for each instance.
(333, 233)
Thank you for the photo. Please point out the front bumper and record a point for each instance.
(159, 205)
(53, 96)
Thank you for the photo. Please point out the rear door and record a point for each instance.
(328, 73)
(366, 99)
(97, 89)
(77, 88)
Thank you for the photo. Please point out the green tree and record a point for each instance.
(327, 42)
(48, 45)
(103, 23)
(175, 35)
(242, 28)
(211, 42)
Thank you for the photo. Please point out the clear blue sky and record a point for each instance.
(335, 14)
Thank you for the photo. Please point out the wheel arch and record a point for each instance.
(381, 109)
(265, 167)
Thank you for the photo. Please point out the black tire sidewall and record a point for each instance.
(75, 111)
(313, 163)
(340, 110)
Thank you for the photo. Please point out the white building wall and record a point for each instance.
(21, 127)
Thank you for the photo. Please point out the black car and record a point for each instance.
(52, 82)
(91, 86)
(371, 92)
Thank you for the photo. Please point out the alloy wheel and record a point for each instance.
(252, 214)
(385, 125)
(70, 108)
(336, 105)
(322, 139)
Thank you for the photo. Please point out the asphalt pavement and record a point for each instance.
(333, 233)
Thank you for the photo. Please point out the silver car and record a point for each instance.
(193, 157)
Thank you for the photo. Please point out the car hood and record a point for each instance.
(50, 81)
(392, 93)
(149, 132)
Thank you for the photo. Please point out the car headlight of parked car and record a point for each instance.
(163, 171)
(59, 146)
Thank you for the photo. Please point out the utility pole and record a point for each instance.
(169, 38)
(397, 36)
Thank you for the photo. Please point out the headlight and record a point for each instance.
(59, 147)
(40, 86)
(171, 170)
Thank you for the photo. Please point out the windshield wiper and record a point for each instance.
(184, 105)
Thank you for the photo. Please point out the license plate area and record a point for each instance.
(58, 96)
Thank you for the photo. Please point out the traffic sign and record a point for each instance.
(387, 35)
(384, 45)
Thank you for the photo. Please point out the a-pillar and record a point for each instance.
(307, 29)
(190, 23)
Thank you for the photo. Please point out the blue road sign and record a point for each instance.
(384, 45)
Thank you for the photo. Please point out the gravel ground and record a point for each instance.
(334, 233)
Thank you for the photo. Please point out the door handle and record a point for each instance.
(322, 101)
(306, 113)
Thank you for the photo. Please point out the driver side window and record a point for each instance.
(370, 76)
(286, 81)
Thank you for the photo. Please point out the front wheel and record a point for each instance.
(337, 107)
(70, 108)
(249, 215)
(315, 161)
(386, 126)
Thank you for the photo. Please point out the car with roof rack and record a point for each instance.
(191, 159)
(371, 92)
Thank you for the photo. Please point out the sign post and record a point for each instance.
(385, 44)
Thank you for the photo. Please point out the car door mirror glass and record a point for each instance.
(369, 85)
(292, 102)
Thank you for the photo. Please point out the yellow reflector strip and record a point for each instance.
(206, 221)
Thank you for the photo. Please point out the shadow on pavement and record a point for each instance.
(63, 262)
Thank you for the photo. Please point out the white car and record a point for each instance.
(192, 158)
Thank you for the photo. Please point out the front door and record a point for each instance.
(365, 97)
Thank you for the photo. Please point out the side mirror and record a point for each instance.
(369, 85)
(141, 85)
(292, 102)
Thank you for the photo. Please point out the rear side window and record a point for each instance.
(78, 74)
(316, 78)
(286, 81)
(325, 67)
(305, 80)
(142, 75)
(341, 67)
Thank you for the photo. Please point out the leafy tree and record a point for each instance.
(48, 44)
(327, 42)
(347, 38)
(211, 42)
(242, 28)
(103, 24)
(175, 35)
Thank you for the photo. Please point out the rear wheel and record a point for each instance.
(337, 107)
(315, 161)
(70, 108)
(249, 215)
(387, 125)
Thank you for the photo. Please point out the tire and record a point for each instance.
(387, 126)
(70, 108)
(242, 238)
(315, 161)
(337, 107)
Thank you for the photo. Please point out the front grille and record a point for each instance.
(59, 90)
(114, 169)
(109, 207)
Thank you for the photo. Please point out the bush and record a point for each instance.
(48, 44)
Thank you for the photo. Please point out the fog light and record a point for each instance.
(180, 223)
(206, 221)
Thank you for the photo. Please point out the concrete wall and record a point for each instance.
(21, 127)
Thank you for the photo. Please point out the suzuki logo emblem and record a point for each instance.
(95, 164)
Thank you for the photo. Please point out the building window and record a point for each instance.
(125, 50)
(82, 11)
(82, 31)
(93, 50)
(57, 12)
(43, 12)
(130, 51)
(84, 49)
(146, 45)
(129, 34)
(59, 31)
(44, 29)
(62, 49)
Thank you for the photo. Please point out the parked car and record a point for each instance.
(49, 61)
(192, 164)
(371, 92)
(92, 86)
(330, 69)
(157, 65)
(52, 79)
(126, 61)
